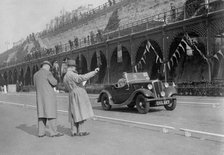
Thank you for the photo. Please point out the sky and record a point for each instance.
(19, 18)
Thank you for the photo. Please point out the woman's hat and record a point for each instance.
(71, 63)
(46, 62)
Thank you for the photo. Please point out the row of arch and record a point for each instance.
(187, 68)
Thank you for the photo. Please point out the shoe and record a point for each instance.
(40, 136)
(82, 133)
(57, 135)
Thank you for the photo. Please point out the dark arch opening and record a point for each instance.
(5, 78)
(21, 78)
(15, 80)
(81, 64)
(10, 77)
(187, 67)
(150, 65)
(1, 80)
(117, 68)
(28, 76)
(99, 78)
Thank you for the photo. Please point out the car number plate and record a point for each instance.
(162, 102)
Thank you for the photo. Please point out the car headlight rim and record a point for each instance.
(162, 93)
(166, 84)
(149, 86)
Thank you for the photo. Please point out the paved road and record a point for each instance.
(18, 129)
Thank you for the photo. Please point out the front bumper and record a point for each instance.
(161, 101)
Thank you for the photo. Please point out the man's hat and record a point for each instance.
(71, 63)
(46, 62)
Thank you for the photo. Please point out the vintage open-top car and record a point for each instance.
(136, 89)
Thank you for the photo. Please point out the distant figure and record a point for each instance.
(46, 100)
(173, 12)
(80, 108)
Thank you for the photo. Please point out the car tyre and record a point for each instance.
(171, 106)
(141, 104)
(105, 102)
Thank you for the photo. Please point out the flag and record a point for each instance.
(168, 64)
(177, 51)
(189, 50)
(180, 45)
(119, 53)
(148, 46)
(160, 60)
(143, 60)
(220, 52)
(136, 69)
(171, 60)
(215, 56)
(98, 59)
(157, 57)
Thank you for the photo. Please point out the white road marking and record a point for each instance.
(164, 127)
(33, 94)
(188, 131)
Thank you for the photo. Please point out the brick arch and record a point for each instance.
(146, 61)
(81, 62)
(117, 68)
(99, 78)
(187, 66)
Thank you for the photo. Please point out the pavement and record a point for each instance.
(18, 136)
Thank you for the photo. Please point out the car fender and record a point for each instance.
(108, 94)
(169, 91)
(145, 92)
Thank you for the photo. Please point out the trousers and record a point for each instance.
(42, 122)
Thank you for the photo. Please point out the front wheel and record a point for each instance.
(105, 102)
(171, 106)
(141, 104)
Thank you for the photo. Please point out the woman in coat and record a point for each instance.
(80, 108)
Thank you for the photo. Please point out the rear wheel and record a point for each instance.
(105, 102)
(141, 104)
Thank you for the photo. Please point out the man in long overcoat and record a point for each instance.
(80, 108)
(46, 100)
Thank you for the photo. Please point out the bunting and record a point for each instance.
(188, 49)
(218, 53)
(149, 48)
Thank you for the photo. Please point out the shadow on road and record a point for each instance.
(32, 130)
(127, 110)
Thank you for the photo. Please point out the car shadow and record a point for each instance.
(128, 110)
(32, 130)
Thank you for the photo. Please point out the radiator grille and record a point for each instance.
(158, 88)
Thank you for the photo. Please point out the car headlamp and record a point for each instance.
(149, 86)
(162, 93)
(166, 84)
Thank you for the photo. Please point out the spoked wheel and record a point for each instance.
(105, 102)
(141, 104)
(171, 106)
